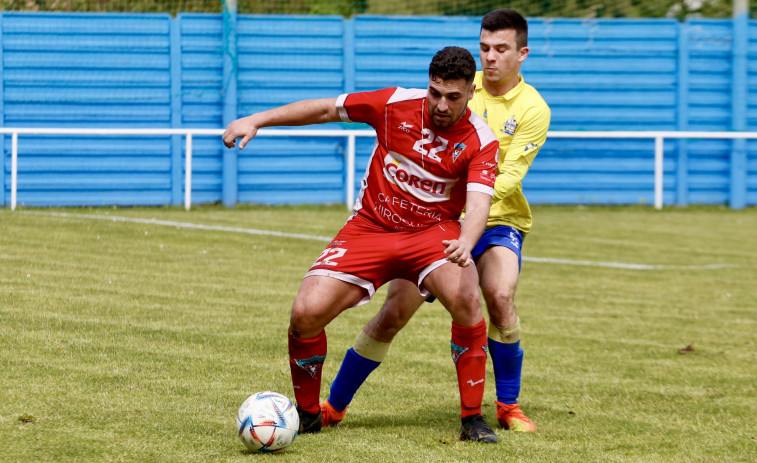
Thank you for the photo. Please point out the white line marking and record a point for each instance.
(193, 226)
(252, 231)
(590, 263)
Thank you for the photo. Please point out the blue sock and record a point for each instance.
(352, 374)
(508, 361)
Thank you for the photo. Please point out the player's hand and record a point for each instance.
(243, 128)
(457, 252)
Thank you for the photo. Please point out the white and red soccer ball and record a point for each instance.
(267, 422)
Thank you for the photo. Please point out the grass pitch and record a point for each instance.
(137, 341)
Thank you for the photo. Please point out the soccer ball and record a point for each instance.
(267, 422)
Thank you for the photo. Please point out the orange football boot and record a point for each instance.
(331, 416)
(511, 417)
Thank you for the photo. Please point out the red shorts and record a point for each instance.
(369, 256)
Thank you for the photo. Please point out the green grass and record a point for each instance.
(138, 342)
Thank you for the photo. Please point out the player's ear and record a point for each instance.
(472, 89)
(523, 54)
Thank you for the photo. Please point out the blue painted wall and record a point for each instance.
(151, 70)
(88, 71)
(602, 75)
(283, 59)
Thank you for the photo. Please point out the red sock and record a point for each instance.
(306, 358)
(469, 354)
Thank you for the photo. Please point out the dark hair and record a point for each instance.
(505, 18)
(452, 63)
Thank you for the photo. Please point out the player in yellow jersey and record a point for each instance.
(520, 120)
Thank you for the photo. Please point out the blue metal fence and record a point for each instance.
(200, 70)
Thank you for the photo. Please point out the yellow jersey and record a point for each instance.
(520, 121)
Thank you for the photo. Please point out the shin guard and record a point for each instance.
(306, 357)
(469, 354)
(508, 363)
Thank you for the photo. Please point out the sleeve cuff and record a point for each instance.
(481, 188)
(341, 109)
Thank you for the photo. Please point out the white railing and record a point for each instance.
(188, 134)
(658, 137)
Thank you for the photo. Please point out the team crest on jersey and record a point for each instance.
(459, 147)
(510, 126)
(413, 179)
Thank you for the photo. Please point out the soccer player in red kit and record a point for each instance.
(432, 158)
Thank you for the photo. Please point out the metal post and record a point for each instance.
(684, 84)
(659, 146)
(14, 169)
(348, 55)
(188, 174)
(350, 178)
(176, 103)
(739, 92)
(230, 61)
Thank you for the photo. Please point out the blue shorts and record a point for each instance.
(501, 235)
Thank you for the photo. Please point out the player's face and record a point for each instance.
(447, 100)
(500, 55)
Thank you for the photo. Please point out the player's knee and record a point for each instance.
(302, 322)
(500, 301)
(393, 318)
(500, 295)
(384, 327)
(466, 308)
(471, 299)
(387, 330)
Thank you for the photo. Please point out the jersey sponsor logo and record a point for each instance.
(387, 204)
(413, 179)
(531, 146)
(488, 175)
(459, 147)
(405, 127)
(510, 126)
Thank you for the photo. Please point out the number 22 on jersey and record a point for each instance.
(428, 137)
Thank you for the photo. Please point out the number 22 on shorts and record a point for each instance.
(329, 255)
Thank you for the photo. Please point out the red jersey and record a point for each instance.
(418, 175)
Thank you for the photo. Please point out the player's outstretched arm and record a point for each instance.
(303, 112)
(476, 213)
